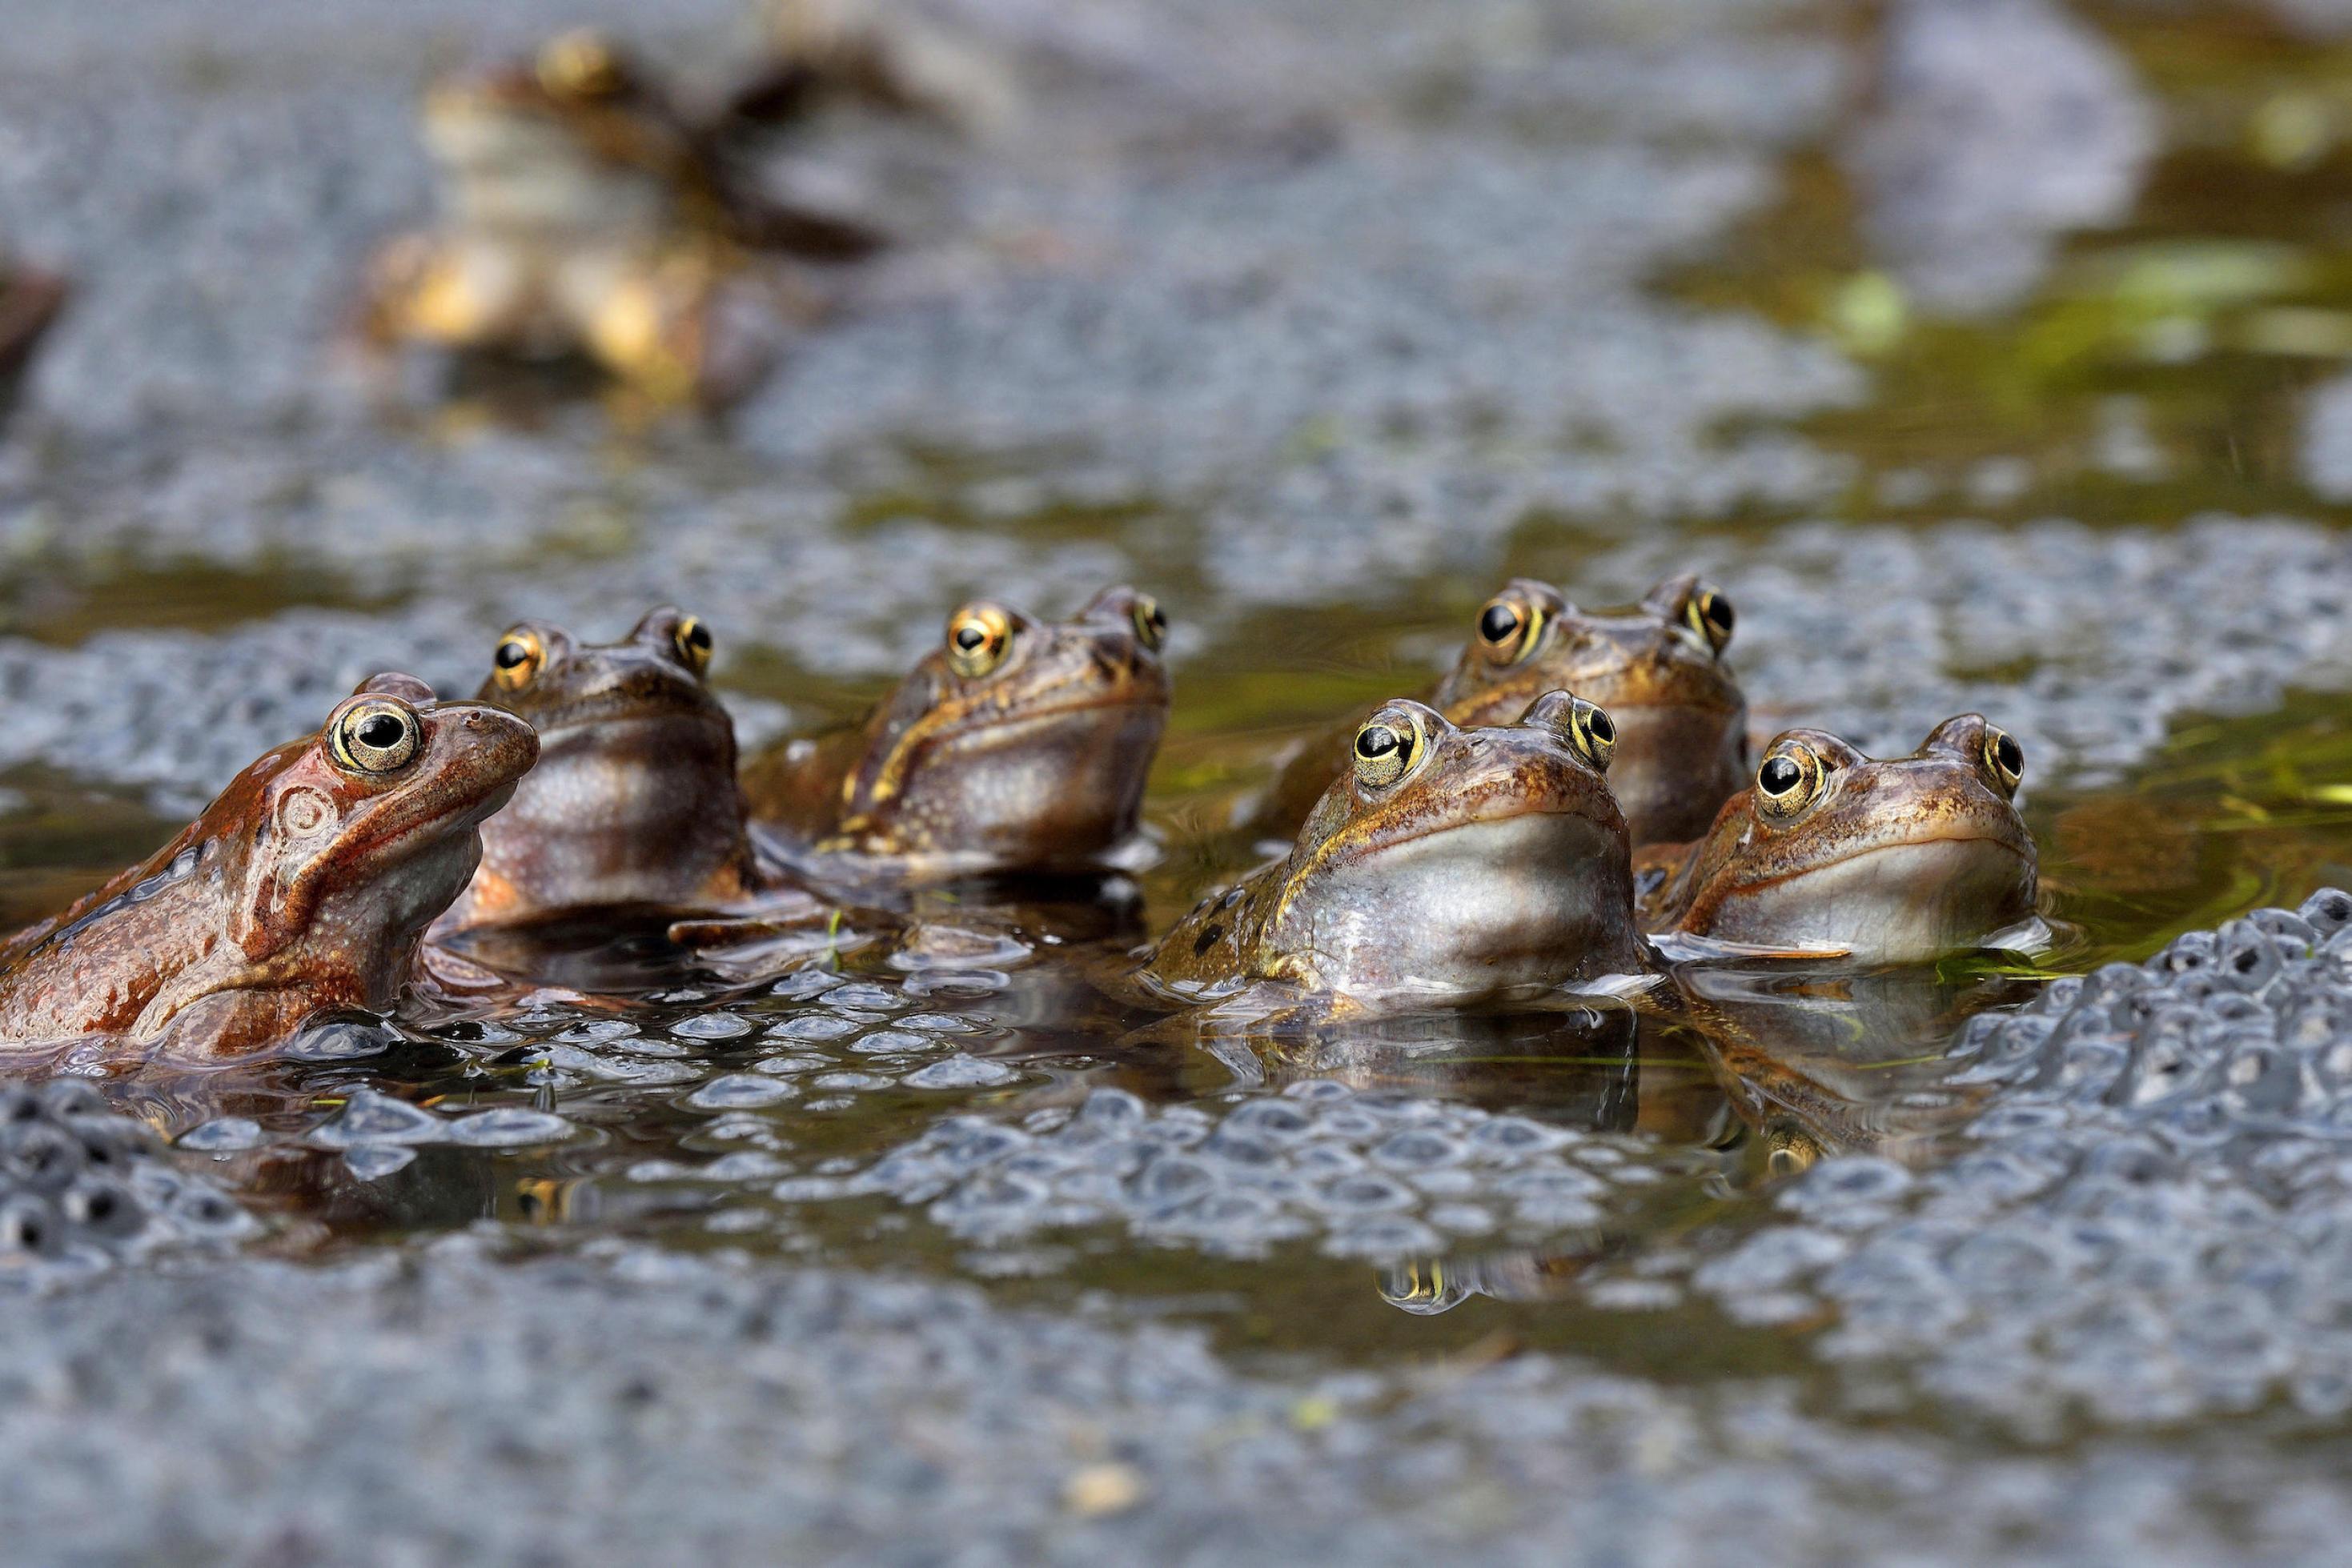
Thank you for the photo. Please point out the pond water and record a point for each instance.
(2041, 409)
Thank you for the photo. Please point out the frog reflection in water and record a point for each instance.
(583, 213)
(1881, 860)
(634, 813)
(1657, 667)
(1017, 746)
(1450, 867)
(305, 886)
(1799, 1066)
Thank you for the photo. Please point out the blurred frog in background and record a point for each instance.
(584, 211)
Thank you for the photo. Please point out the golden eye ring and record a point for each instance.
(379, 735)
(1710, 614)
(1510, 628)
(2004, 758)
(691, 641)
(1151, 621)
(978, 636)
(1389, 746)
(1789, 780)
(1594, 732)
(520, 654)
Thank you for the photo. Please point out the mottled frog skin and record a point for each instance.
(635, 803)
(1016, 747)
(305, 886)
(1831, 851)
(1451, 866)
(1657, 667)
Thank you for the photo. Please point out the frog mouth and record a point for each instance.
(397, 839)
(1488, 903)
(993, 726)
(627, 702)
(1473, 835)
(1070, 729)
(1498, 837)
(1541, 788)
(1954, 847)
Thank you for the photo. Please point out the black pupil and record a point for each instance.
(696, 638)
(1377, 741)
(1717, 612)
(1780, 775)
(2012, 757)
(380, 731)
(1499, 622)
(1601, 726)
(970, 637)
(509, 654)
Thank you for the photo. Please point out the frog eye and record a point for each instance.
(1709, 614)
(1387, 748)
(520, 655)
(979, 636)
(1509, 627)
(1151, 621)
(1594, 733)
(1789, 779)
(692, 642)
(2005, 758)
(378, 735)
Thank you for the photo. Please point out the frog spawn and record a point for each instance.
(2143, 1227)
(819, 1042)
(2149, 1225)
(82, 1188)
(1359, 1173)
(1378, 1175)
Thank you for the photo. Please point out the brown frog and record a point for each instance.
(583, 211)
(634, 804)
(305, 886)
(1452, 866)
(1830, 850)
(1657, 667)
(1017, 746)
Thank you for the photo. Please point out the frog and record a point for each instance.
(1450, 867)
(583, 211)
(304, 889)
(1831, 851)
(1014, 747)
(1657, 667)
(635, 805)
